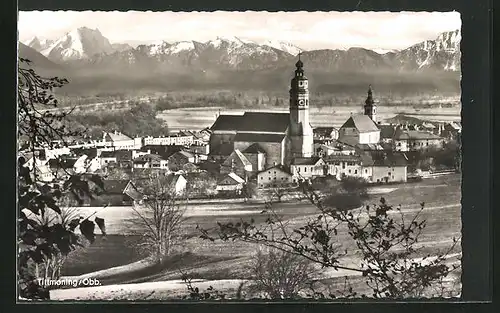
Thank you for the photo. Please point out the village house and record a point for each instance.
(230, 183)
(178, 139)
(307, 168)
(413, 140)
(237, 163)
(177, 160)
(257, 157)
(387, 167)
(333, 148)
(345, 165)
(276, 176)
(116, 193)
(326, 133)
(150, 161)
(163, 151)
(107, 157)
(119, 141)
(201, 149)
(452, 130)
(177, 183)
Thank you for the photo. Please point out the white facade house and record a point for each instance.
(276, 176)
(179, 139)
(346, 165)
(231, 182)
(307, 168)
(120, 141)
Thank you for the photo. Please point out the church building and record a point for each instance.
(281, 136)
(362, 128)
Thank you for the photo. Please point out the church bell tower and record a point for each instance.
(370, 107)
(300, 130)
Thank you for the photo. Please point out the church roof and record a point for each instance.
(255, 137)
(227, 122)
(272, 122)
(363, 123)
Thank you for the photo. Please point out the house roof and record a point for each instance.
(278, 167)
(428, 125)
(252, 137)
(348, 141)
(456, 125)
(306, 161)
(115, 186)
(185, 154)
(123, 155)
(272, 122)
(342, 158)
(369, 146)
(89, 152)
(145, 158)
(414, 135)
(242, 158)
(385, 158)
(62, 162)
(254, 149)
(362, 123)
(236, 178)
(108, 154)
(117, 136)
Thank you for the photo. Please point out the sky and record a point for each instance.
(307, 30)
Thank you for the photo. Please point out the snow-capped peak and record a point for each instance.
(79, 43)
(181, 46)
(284, 46)
(158, 47)
(384, 51)
(38, 43)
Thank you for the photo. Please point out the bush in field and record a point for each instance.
(279, 274)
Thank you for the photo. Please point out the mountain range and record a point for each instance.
(87, 53)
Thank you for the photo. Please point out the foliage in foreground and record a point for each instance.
(46, 232)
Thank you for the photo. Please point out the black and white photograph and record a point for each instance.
(236, 156)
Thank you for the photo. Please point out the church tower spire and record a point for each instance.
(370, 106)
(300, 130)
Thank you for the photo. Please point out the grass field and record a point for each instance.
(227, 260)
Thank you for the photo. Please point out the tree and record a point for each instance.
(39, 242)
(279, 274)
(159, 215)
(384, 237)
